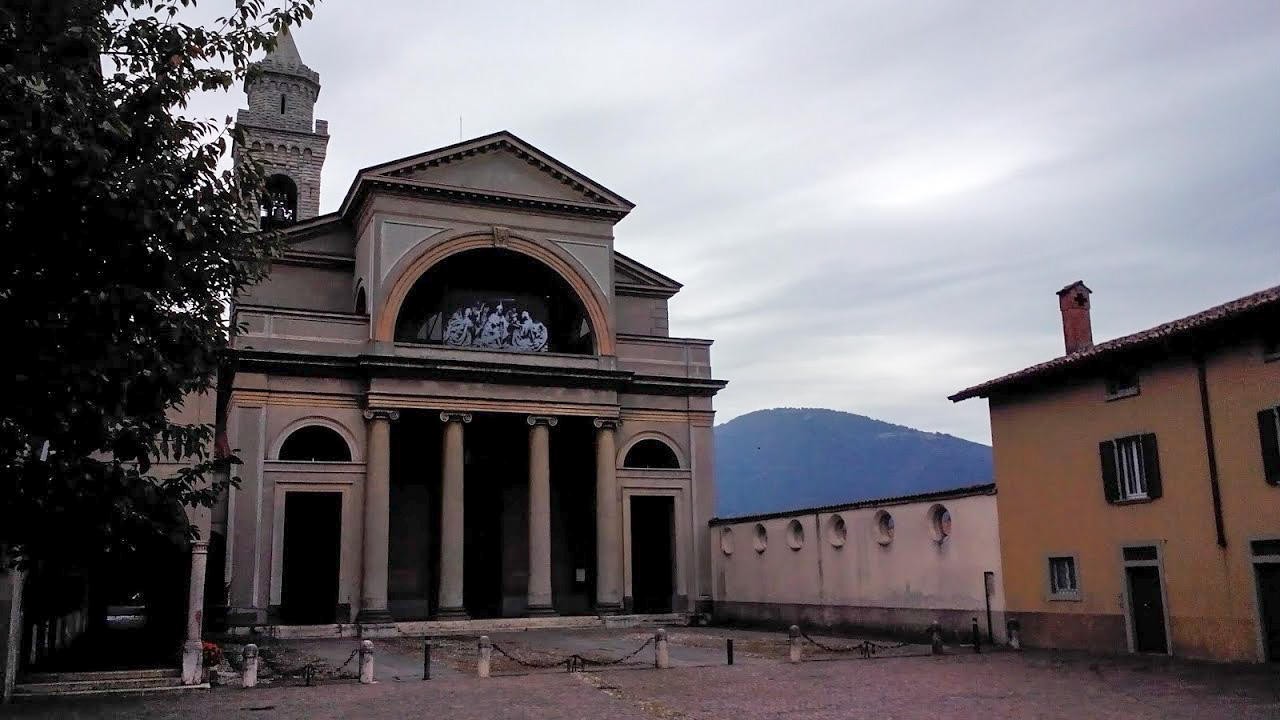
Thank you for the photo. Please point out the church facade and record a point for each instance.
(453, 398)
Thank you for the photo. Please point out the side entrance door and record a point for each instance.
(1147, 608)
(1269, 601)
(312, 543)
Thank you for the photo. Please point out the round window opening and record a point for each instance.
(726, 541)
(837, 531)
(761, 539)
(884, 528)
(795, 535)
(940, 522)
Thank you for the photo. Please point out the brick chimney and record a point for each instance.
(1077, 331)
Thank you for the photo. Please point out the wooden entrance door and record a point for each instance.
(312, 544)
(1147, 608)
(1269, 605)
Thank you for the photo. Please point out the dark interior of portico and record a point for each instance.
(496, 499)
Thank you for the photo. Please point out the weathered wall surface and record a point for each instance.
(805, 570)
(1051, 502)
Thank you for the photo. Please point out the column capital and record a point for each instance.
(200, 547)
(381, 414)
(547, 420)
(448, 417)
(609, 423)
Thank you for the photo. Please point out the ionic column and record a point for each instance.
(192, 649)
(377, 517)
(540, 515)
(608, 524)
(450, 605)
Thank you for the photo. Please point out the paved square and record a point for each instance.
(904, 683)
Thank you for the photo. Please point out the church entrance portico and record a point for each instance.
(526, 543)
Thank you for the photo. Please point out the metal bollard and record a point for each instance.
(1015, 634)
(661, 654)
(366, 662)
(728, 651)
(935, 637)
(486, 650)
(794, 632)
(977, 637)
(249, 658)
(426, 659)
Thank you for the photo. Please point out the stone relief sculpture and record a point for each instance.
(496, 328)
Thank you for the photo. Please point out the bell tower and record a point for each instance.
(281, 132)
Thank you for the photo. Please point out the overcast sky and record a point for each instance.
(870, 205)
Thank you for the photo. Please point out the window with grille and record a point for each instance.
(1130, 469)
(1122, 384)
(1063, 580)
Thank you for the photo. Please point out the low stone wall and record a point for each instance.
(904, 623)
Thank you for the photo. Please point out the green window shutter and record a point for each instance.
(1110, 484)
(1151, 466)
(1270, 435)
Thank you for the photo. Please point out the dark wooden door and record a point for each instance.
(652, 554)
(1148, 609)
(1269, 602)
(312, 544)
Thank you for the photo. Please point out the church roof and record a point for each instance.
(285, 59)
(428, 173)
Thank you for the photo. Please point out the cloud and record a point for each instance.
(870, 205)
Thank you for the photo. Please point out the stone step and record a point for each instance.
(100, 675)
(68, 687)
(24, 693)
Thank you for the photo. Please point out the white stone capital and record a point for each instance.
(381, 414)
(547, 420)
(448, 417)
(609, 423)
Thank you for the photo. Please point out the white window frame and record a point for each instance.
(1054, 592)
(1131, 476)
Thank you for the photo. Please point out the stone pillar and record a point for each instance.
(192, 649)
(451, 518)
(608, 524)
(540, 515)
(377, 517)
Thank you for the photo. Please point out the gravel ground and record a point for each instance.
(957, 685)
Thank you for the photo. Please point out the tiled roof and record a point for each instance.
(1202, 321)
(949, 494)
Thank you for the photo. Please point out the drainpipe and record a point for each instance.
(1210, 450)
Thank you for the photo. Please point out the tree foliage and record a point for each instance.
(125, 236)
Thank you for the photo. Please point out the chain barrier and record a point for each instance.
(572, 663)
(311, 669)
(866, 648)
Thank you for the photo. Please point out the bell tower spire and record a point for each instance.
(281, 132)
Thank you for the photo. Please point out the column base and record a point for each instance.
(451, 613)
(611, 608)
(374, 616)
(540, 611)
(192, 663)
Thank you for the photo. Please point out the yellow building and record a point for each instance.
(1139, 483)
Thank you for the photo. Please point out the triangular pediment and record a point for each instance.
(633, 278)
(503, 165)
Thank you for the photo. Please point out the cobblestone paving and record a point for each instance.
(957, 685)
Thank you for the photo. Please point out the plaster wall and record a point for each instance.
(805, 571)
(1051, 502)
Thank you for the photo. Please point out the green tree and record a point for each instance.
(125, 236)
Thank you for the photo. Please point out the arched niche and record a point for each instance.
(409, 271)
(495, 299)
(314, 439)
(651, 453)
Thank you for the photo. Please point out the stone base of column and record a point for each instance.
(192, 663)
(451, 613)
(609, 608)
(374, 616)
(540, 611)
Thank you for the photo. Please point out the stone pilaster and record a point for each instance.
(192, 648)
